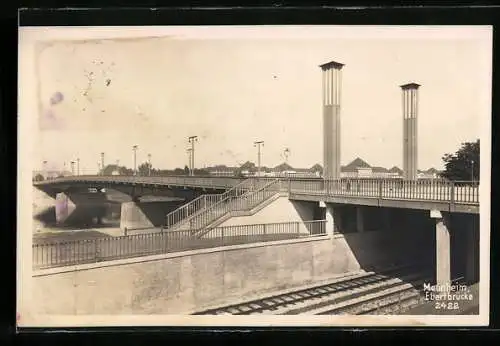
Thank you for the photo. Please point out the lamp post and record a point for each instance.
(189, 151)
(134, 148)
(472, 171)
(258, 144)
(149, 164)
(191, 140)
(78, 166)
(102, 163)
(286, 153)
(45, 173)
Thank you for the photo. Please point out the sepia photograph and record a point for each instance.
(254, 176)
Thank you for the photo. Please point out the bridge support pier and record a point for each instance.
(443, 248)
(80, 207)
(133, 217)
(360, 224)
(471, 257)
(142, 215)
(330, 220)
(332, 217)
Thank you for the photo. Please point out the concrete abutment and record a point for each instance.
(142, 215)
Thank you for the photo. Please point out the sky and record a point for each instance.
(91, 90)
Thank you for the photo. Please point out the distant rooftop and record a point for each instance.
(330, 64)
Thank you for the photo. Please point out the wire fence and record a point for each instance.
(57, 254)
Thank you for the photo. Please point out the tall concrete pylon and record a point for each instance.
(410, 130)
(332, 84)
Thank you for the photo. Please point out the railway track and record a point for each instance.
(397, 303)
(353, 294)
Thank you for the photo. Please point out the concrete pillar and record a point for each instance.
(332, 217)
(471, 257)
(145, 214)
(443, 248)
(332, 80)
(410, 128)
(360, 223)
(79, 207)
(134, 217)
(330, 221)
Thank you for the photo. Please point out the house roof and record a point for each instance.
(395, 169)
(355, 164)
(379, 169)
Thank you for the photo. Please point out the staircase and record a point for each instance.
(207, 210)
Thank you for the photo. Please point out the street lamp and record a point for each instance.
(78, 166)
(286, 153)
(149, 164)
(134, 148)
(258, 144)
(46, 174)
(189, 151)
(191, 140)
(102, 163)
(472, 170)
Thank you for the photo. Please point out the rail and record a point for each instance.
(253, 199)
(203, 202)
(217, 210)
(465, 192)
(59, 254)
(216, 182)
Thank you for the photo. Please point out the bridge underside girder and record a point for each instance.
(133, 190)
(389, 203)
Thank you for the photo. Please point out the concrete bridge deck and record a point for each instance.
(412, 194)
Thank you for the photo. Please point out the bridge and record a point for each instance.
(446, 196)
(325, 226)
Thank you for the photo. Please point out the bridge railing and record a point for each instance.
(204, 202)
(466, 192)
(254, 198)
(57, 254)
(218, 182)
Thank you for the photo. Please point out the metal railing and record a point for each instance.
(204, 202)
(247, 201)
(253, 188)
(192, 181)
(422, 189)
(254, 198)
(59, 254)
(466, 192)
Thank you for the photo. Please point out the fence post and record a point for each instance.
(97, 250)
(222, 235)
(298, 228)
(452, 195)
(380, 189)
(264, 227)
(289, 185)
